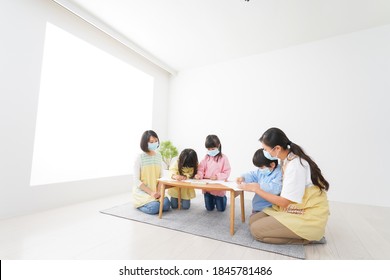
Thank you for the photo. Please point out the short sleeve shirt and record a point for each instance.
(296, 177)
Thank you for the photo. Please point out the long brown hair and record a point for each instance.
(276, 137)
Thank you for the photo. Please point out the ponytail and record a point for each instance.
(316, 176)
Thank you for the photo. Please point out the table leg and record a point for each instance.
(242, 206)
(179, 198)
(232, 200)
(162, 193)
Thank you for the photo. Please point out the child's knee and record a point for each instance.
(209, 208)
(221, 203)
(174, 203)
(167, 204)
(185, 204)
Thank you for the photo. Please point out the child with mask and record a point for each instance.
(147, 170)
(214, 166)
(184, 168)
(268, 176)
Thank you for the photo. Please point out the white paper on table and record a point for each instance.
(166, 179)
(199, 182)
(230, 184)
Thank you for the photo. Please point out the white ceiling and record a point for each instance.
(191, 33)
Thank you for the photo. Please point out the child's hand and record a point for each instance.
(240, 180)
(183, 177)
(180, 177)
(197, 177)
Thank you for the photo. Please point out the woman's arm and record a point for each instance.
(137, 172)
(274, 199)
(137, 179)
(149, 191)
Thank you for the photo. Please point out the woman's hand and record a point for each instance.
(156, 195)
(197, 177)
(214, 177)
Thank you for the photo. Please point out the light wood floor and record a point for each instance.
(80, 232)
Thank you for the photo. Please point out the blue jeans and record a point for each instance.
(153, 207)
(210, 201)
(185, 203)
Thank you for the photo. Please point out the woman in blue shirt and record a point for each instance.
(268, 176)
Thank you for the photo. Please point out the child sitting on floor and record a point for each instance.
(185, 168)
(268, 176)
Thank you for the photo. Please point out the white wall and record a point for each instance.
(328, 96)
(22, 28)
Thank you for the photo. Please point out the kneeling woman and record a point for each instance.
(299, 215)
(147, 170)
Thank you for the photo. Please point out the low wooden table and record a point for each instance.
(166, 184)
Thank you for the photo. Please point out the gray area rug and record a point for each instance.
(197, 220)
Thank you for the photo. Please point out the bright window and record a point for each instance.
(92, 111)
